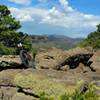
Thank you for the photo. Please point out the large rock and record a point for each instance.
(56, 58)
(10, 58)
(6, 93)
(96, 60)
(50, 59)
(20, 96)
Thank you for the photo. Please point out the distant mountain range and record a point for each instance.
(59, 41)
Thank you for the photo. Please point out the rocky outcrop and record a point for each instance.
(50, 58)
(39, 38)
(11, 92)
(10, 58)
(59, 59)
(25, 84)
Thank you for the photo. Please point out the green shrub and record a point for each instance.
(9, 35)
(93, 40)
(6, 51)
(51, 90)
(34, 52)
(27, 43)
(44, 97)
(65, 97)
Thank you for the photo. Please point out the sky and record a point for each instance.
(73, 18)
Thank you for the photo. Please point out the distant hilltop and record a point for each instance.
(44, 38)
(59, 41)
(39, 38)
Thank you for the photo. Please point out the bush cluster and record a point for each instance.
(49, 89)
(93, 39)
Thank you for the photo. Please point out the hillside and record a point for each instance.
(59, 41)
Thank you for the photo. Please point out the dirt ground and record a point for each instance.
(69, 77)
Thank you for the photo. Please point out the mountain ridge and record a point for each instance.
(59, 41)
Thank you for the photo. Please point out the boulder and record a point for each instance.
(49, 59)
(57, 58)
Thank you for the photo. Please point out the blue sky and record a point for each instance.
(73, 18)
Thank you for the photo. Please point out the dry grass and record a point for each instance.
(41, 85)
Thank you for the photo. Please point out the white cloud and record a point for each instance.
(28, 14)
(24, 18)
(65, 5)
(21, 15)
(69, 18)
(23, 2)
